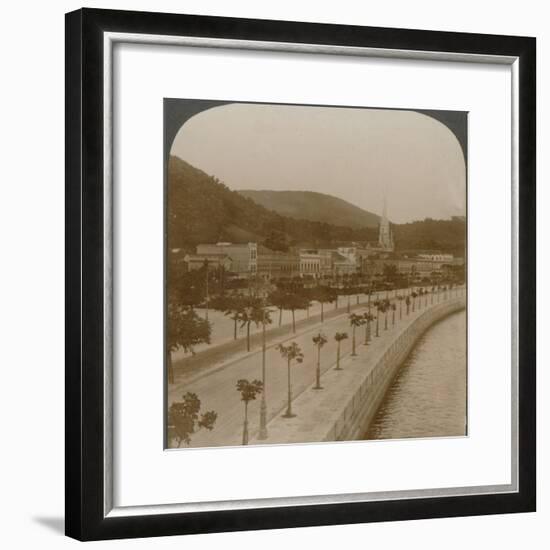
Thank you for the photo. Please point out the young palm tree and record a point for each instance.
(290, 353)
(368, 317)
(253, 313)
(379, 306)
(414, 295)
(320, 340)
(234, 309)
(355, 321)
(400, 298)
(339, 336)
(248, 390)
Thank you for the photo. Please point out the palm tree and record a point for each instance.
(379, 306)
(277, 298)
(400, 298)
(339, 336)
(253, 313)
(323, 294)
(320, 340)
(290, 353)
(355, 321)
(368, 317)
(233, 310)
(414, 295)
(248, 390)
(293, 302)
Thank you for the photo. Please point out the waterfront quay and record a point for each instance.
(326, 404)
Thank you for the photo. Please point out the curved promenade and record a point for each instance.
(345, 407)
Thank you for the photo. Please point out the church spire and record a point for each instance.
(385, 237)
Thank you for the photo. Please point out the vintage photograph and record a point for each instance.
(315, 273)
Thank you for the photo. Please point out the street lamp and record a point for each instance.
(263, 403)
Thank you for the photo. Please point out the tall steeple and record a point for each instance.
(385, 237)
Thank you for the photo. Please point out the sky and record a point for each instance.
(355, 154)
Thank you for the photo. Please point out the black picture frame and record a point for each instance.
(85, 518)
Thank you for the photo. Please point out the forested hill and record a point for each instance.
(445, 235)
(312, 206)
(202, 209)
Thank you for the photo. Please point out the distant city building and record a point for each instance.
(273, 264)
(343, 265)
(213, 261)
(310, 263)
(437, 257)
(244, 257)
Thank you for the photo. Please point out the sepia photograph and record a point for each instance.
(315, 273)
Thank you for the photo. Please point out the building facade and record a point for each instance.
(244, 257)
(213, 261)
(272, 264)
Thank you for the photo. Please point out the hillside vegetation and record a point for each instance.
(202, 209)
(316, 207)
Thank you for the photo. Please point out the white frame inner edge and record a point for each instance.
(108, 42)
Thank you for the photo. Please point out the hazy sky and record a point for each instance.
(353, 154)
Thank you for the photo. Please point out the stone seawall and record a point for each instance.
(359, 412)
(347, 405)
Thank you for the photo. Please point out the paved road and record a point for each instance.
(217, 390)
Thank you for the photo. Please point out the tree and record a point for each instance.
(320, 340)
(277, 298)
(188, 287)
(381, 308)
(290, 353)
(233, 309)
(184, 417)
(414, 295)
(400, 298)
(339, 336)
(253, 312)
(390, 272)
(248, 390)
(323, 295)
(355, 321)
(185, 329)
(293, 302)
(368, 317)
(387, 306)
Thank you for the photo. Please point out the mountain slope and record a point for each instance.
(202, 209)
(312, 206)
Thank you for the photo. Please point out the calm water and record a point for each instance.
(428, 397)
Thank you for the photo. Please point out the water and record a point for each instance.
(428, 396)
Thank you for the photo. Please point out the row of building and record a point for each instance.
(253, 260)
